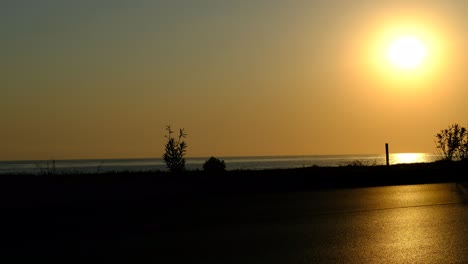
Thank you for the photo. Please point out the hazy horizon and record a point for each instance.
(196, 163)
(260, 156)
(102, 79)
(233, 157)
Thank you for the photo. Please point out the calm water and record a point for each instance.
(232, 163)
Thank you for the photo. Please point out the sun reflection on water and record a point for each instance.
(407, 158)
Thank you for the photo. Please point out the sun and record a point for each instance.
(407, 52)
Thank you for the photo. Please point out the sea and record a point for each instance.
(196, 163)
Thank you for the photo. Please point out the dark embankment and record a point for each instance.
(118, 215)
(127, 187)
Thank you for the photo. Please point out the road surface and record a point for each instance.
(394, 224)
(397, 224)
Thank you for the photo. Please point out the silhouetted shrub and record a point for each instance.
(49, 168)
(175, 151)
(453, 142)
(214, 165)
(356, 163)
(361, 163)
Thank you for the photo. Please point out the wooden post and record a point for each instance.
(386, 153)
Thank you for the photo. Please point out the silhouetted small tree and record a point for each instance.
(453, 142)
(175, 151)
(214, 165)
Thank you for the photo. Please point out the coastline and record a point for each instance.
(196, 163)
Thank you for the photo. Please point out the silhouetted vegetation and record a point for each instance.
(48, 169)
(361, 163)
(453, 142)
(175, 151)
(214, 165)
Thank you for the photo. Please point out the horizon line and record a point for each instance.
(219, 157)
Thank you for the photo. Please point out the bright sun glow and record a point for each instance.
(407, 52)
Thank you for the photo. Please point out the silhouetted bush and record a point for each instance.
(175, 151)
(453, 142)
(361, 163)
(214, 165)
(49, 168)
(356, 163)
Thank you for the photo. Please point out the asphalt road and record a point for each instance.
(398, 224)
(395, 224)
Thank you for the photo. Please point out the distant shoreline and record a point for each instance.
(232, 163)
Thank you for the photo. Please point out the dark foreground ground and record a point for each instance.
(235, 217)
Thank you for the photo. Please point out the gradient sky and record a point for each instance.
(102, 78)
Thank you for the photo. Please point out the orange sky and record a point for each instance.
(102, 79)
